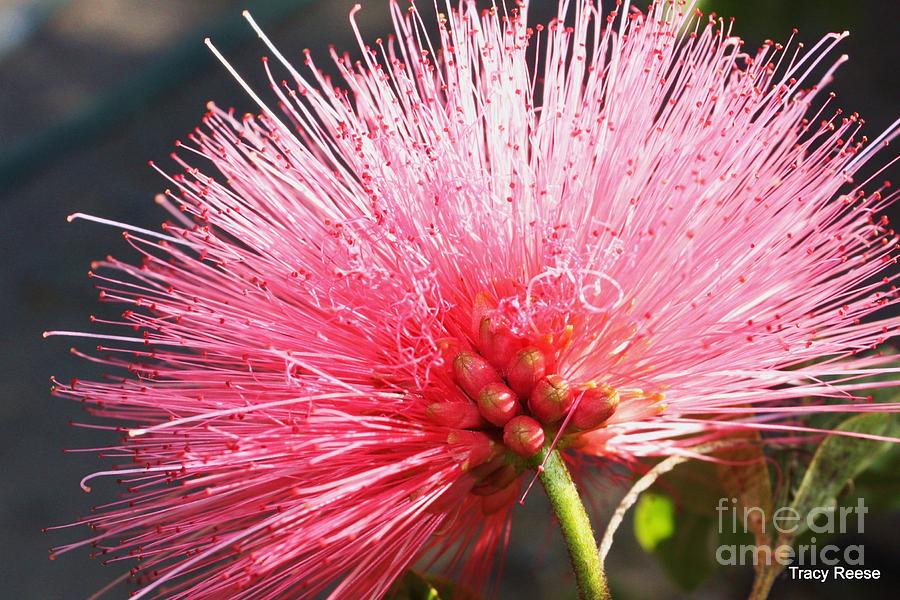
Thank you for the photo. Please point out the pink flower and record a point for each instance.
(393, 289)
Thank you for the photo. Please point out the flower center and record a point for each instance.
(523, 395)
(506, 397)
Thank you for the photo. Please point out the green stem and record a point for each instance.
(576, 528)
(763, 582)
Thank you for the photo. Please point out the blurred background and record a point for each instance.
(92, 89)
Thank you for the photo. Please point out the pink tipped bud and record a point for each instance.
(471, 372)
(524, 436)
(551, 399)
(526, 368)
(498, 404)
(458, 415)
(475, 448)
(597, 404)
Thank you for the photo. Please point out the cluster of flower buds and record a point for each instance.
(506, 399)
(511, 386)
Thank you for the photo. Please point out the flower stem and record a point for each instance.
(765, 578)
(576, 528)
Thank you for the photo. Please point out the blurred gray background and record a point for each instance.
(92, 89)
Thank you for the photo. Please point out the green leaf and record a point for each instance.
(841, 458)
(879, 484)
(654, 520)
(685, 499)
(681, 540)
(688, 556)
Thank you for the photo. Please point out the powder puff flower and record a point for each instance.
(385, 301)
